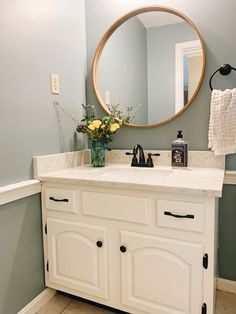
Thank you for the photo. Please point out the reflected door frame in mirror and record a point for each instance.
(114, 27)
(189, 49)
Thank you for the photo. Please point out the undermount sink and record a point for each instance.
(132, 172)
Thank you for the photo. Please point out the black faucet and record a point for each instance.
(140, 161)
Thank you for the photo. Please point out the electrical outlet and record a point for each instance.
(55, 84)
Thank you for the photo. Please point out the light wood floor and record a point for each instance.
(60, 304)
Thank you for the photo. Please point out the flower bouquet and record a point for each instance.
(101, 131)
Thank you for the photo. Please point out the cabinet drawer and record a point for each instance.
(181, 215)
(134, 209)
(61, 199)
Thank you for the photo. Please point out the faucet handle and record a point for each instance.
(134, 159)
(128, 153)
(149, 159)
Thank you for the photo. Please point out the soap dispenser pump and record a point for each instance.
(179, 151)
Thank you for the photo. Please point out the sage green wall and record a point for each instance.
(21, 257)
(37, 37)
(216, 22)
(227, 238)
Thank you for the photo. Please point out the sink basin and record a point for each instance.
(131, 173)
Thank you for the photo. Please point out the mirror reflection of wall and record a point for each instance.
(123, 68)
(137, 66)
(161, 67)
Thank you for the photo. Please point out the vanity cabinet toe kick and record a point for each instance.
(137, 251)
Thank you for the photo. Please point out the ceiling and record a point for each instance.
(156, 19)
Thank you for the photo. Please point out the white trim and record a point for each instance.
(226, 285)
(187, 48)
(230, 177)
(19, 190)
(38, 302)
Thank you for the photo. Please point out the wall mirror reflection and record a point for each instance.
(152, 59)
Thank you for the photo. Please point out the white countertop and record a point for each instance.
(193, 181)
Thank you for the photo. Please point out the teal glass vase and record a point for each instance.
(97, 154)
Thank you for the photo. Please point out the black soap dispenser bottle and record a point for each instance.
(179, 151)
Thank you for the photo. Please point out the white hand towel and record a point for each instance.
(222, 125)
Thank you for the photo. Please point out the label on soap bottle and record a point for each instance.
(179, 155)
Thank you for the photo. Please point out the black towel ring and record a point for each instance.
(224, 69)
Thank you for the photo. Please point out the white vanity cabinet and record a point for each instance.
(135, 250)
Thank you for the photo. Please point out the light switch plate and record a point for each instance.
(55, 84)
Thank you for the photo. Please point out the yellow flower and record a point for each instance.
(91, 126)
(97, 123)
(114, 127)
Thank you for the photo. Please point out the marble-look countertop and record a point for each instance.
(193, 181)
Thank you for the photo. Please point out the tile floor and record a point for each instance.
(61, 304)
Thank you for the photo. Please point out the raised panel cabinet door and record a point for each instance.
(161, 276)
(77, 256)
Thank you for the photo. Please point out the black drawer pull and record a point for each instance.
(179, 216)
(57, 200)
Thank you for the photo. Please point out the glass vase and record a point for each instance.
(97, 154)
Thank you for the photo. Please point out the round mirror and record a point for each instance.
(150, 63)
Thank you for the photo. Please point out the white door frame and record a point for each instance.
(189, 49)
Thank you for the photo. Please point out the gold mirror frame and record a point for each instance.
(112, 29)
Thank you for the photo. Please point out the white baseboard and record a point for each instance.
(230, 177)
(226, 285)
(38, 302)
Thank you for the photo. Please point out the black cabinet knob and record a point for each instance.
(99, 243)
(123, 249)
